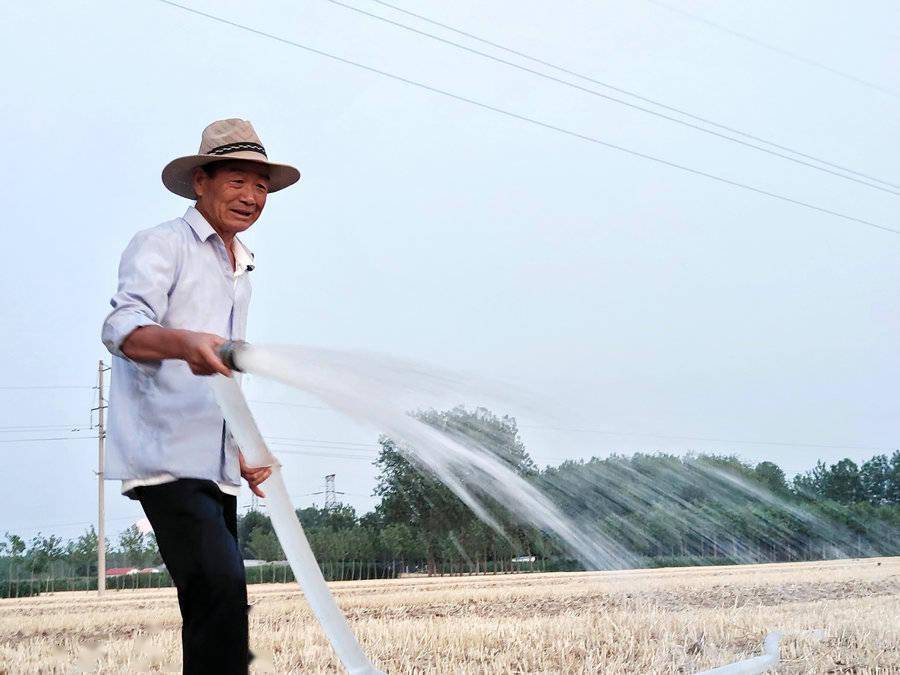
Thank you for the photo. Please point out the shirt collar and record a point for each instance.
(243, 256)
(198, 223)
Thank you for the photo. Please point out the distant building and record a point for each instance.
(257, 563)
(120, 571)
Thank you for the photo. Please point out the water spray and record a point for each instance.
(370, 389)
(376, 390)
(287, 526)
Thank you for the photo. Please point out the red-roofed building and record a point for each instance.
(119, 571)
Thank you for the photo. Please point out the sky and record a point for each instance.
(642, 307)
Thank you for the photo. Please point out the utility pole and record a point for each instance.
(330, 497)
(254, 504)
(330, 493)
(101, 492)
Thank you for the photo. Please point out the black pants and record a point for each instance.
(196, 529)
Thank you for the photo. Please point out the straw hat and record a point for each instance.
(226, 139)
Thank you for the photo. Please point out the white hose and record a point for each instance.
(288, 529)
(758, 664)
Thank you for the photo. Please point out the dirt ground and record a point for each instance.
(837, 616)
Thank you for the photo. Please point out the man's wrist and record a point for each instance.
(179, 340)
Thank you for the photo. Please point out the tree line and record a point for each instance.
(664, 509)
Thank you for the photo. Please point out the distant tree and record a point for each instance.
(415, 498)
(410, 494)
(843, 483)
(399, 541)
(892, 493)
(731, 463)
(131, 546)
(360, 543)
(481, 427)
(82, 552)
(15, 545)
(811, 484)
(152, 557)
(252, 520)
(341, 517)
(771, 475)
(264, 545)
(875, 477)
(44, 551)
(373, 520)
(311, 517)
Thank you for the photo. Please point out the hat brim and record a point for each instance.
(177, 175)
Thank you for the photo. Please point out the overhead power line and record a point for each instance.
(536, 122)
(42, 427)
(660, 104)
(37, 440)
(43, 386)
(363, 447)
(613, 99)
(30, 528)
(329, 455)
(319, 441)
(329, 448)
(774, 48)
(369, 448)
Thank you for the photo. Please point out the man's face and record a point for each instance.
(234, 197)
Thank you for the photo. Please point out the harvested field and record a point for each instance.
(669, 620)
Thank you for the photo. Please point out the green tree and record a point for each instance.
(843, 483)
(892, 495)
(252, 520)
(152, 557)
(311, 517)
(771, 475)
(44, 551)
(264, 545)
(341, 517)
(875, 477)
(811, 484)
(131, 546)
(412, 497)
(15, 545)
(82, 552)
(481, 427)
(402, 542)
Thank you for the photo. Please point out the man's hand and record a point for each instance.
(201, 351)
(254, 476)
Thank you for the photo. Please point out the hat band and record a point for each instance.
(238, 147)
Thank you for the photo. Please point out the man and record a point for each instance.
(183, 291)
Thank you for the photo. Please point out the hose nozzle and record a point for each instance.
(229, 351)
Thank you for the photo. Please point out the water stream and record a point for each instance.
(381, 392)
(384, 393)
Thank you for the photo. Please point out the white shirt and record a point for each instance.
(243, 260)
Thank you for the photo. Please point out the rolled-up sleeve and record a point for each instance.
(146, 276)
